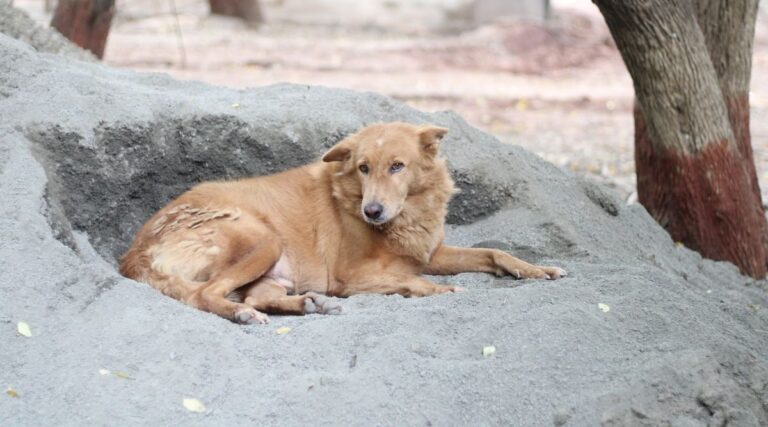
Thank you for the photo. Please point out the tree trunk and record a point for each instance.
(85, 22)
(729, 31)
(247, 10)
(695, 171)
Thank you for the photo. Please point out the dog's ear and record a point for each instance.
(339, 152)
(430, 137)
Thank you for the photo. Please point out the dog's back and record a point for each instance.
(186, 242)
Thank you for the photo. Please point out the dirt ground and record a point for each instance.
(560, 89)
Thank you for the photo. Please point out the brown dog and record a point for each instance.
(368, 218)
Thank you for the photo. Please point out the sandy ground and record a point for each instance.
(559, 90)
(642, 332)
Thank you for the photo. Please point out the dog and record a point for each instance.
(367, 218)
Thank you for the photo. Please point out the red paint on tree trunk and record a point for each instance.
(706, 200)
(738, 115)
(85, 22)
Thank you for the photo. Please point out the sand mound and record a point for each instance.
(17, 24)
(88, 152)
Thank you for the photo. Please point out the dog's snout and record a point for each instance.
(373, 210)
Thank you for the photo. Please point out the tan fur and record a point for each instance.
(233, 248)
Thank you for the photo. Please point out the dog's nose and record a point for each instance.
(373, 210)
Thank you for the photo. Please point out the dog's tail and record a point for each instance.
(172, 286)
(135, 266)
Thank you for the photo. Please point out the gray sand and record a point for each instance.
(18, 24)
(87, 153)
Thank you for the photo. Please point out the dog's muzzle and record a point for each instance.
(374, 213)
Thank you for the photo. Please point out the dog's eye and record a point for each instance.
(396, 167)
(363, 169)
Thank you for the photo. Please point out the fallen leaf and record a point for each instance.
(103, 371)
(489, 350)
(603, 307)
(11, 392)
(679, 244)
(522, 104)
(24, 329)
(282, 331)
(235, 105)
(123, 375)
(193, 405)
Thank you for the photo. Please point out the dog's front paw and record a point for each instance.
(539, 272)
(554, 272)
(320, 304)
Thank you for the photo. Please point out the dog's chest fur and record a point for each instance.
(416, 233)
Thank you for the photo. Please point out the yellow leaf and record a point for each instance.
(489, 350)
(282, 331)
(678, 244)
(522, 104)
(11, 392)
(604, 307)
(193, 405)
(123, 375)
(235, 105)
(103, 371)
(24, 329)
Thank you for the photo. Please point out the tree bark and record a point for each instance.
(85, 22)
(247, 10)
(729, 31)
(695, 171)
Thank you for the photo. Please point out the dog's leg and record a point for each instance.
(212, 296)
(267, 295)
(383, 283)
(453, 260)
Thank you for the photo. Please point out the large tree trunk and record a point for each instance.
(85, 22)
(247, 10)
(695, 172)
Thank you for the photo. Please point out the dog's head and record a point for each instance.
(381, 165)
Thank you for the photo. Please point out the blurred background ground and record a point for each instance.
(556, 87)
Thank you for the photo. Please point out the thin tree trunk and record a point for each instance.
(693, 174)
(85, 22)
(248, 10)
